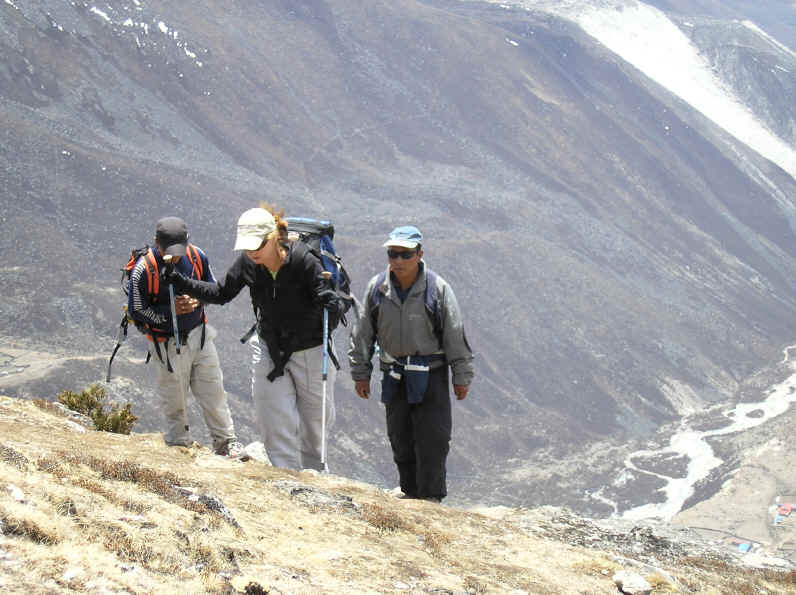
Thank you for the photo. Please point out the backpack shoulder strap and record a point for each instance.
(374, 299)
(195, 258)
(196, 261)
(152, 276)
(431, 300)
(376, 296)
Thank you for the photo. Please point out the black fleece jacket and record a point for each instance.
(289, 309)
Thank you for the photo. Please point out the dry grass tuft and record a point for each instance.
(436, 542)
(134, 549)
(161, 483)
(383, 519)
(204, 557)
(25, 524)
(753, 581)
(100, 490)
(52, 466)
(49, 407)
(598, 567)
(473, 585)
(660, 584)
(64, 505)
(13, 458)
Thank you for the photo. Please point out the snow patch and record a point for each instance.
(512, 42)
(98, 12)
(645, 37)
(768, 38)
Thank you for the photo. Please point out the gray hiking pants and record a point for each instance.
(289, 409)
(197, 369)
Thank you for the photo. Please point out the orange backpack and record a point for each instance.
(153, 289)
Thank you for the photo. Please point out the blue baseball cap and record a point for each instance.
(407, 236)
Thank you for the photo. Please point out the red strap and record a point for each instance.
(196, 262)
(153, 278)
(198, 270)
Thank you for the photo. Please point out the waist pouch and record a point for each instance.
(414, 370)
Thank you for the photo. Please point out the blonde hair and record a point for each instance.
(279, 218)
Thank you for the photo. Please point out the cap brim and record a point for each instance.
(400, 244)
(175, 250)
(248, 242)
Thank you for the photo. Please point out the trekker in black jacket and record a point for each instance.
(288, 293)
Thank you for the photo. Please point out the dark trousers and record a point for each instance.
(420, 437)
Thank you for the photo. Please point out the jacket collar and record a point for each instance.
(387, 289)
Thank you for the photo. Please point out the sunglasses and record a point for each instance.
(284, 244)
(406, 255)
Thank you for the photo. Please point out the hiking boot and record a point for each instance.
(233, 449)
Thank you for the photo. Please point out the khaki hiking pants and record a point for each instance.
(289, 409)
(197, 369)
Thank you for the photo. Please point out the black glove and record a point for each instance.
(331, 301)
(171, 275)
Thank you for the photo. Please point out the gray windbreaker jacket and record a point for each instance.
(406, 329)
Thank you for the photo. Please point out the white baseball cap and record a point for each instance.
(253, 227)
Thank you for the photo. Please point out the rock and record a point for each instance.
(256, 450)
(316, 498)
(631, 583)
(15, 493)
(70, 574)
(760, 560)
(210, 502)
(79, 418)
(74, 426)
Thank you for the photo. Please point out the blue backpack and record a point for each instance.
(318, 236)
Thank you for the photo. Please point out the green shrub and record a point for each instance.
(90, 402)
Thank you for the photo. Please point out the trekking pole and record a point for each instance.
(120, 338)
(326, 275)
(169, 260)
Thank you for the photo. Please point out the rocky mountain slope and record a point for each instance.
(86, 511)
(620, 258)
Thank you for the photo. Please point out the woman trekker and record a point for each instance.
(288, 293)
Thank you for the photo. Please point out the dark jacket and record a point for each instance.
(155, 311)
(288, 309)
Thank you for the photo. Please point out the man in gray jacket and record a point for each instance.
(413, 315)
